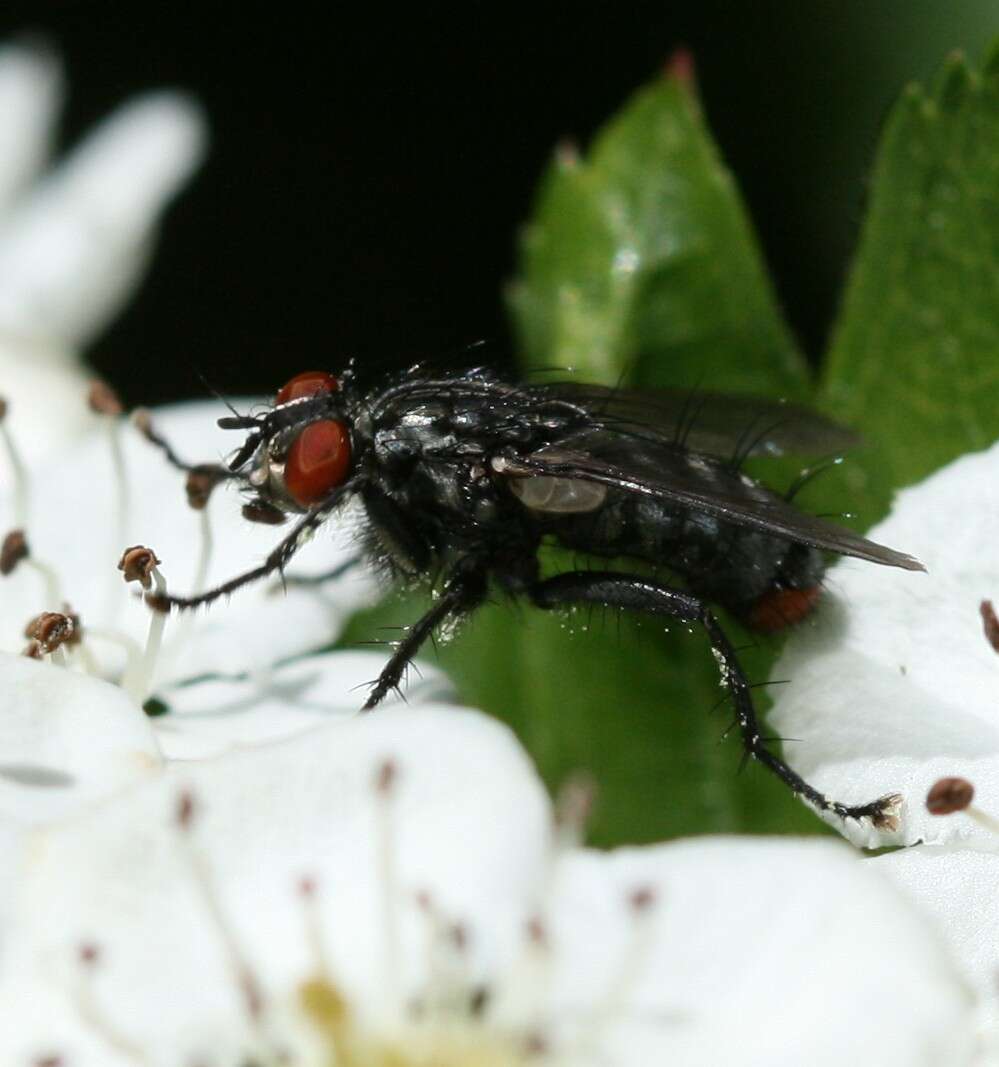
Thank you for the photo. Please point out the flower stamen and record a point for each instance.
(89, 956)
(641, 902)
(950, 795)
(140, 564)
(386, 778)
(49, 632)
(15, 551)
(18, 470)
(246, 981)
(104, 401)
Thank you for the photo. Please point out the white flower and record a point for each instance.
(389, 892)
(74, 242)
(894, 685)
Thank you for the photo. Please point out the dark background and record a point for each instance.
(366, 180)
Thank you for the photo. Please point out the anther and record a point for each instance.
(103, 400)
(185, 810)
(642, 899)
(89, 954)
(537, 932)
(50, 631)
(12, 551)
(138, 564)
(990, 623)
(949, 795)
(385, 777)
(201, 480)
(535, 1046)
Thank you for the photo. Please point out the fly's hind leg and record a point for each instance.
(636, 593)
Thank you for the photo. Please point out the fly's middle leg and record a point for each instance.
(637, 593)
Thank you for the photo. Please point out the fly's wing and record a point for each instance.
(678, 476)
(721, 424)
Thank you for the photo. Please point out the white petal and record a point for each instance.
(31, 91)
(758, 952)
(73, 252)
(957, 887)
(74, 527)
(44, 389)
(65, 740)
(212, 717)
(468, 824)
(894, 685)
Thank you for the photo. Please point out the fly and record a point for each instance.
(463, 475)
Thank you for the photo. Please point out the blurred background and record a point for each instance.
(366, 179)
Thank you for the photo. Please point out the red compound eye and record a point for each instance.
(309, 383)
(317, 461)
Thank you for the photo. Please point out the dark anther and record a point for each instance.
(89, 954)
(50, 630)
(386, 776)
(137, 564)
(642, 899)
(103, 400)
(32, 650)
(261, 511)
(990, 623)
(478, 1001)
(185, 810)
(537, 933)
(201, 480)
(3, 408)
(949, 795)
(13, 550)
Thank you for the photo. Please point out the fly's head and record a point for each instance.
(298, 453)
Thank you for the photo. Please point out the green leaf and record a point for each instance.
(915, 357)
(640, 261)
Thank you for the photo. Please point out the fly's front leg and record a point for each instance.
(276, 561)
(636, 593)
(463, 592)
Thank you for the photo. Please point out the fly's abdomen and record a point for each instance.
(767, 581)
